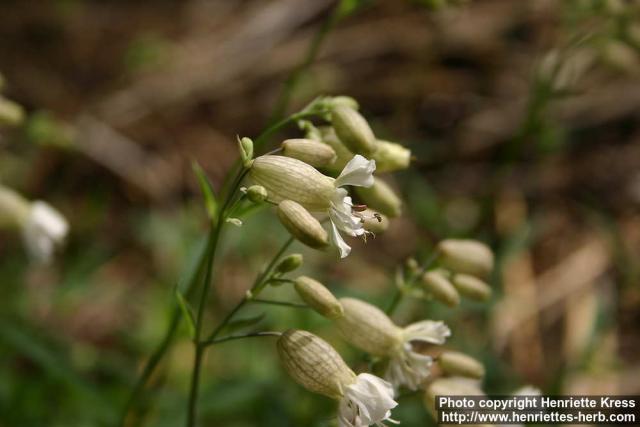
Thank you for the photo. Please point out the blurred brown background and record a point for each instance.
(523, 117)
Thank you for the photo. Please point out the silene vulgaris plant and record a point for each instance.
(308, 182)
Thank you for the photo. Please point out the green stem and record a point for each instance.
(199, 349)
(400, 292)
(239, 337)
(264, 136)
(200, 346)
(279, 303)
(397, 297)
(162, 348)
(280, 280)
(339, 12)
(256, 288)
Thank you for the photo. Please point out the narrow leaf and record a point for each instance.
(207, 191)
(243, 323)
(187, 312)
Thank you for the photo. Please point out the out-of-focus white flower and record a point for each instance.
(370, 329)
(364, 400)
(43, 229)
(287, 178)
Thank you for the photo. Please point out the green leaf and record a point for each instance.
(243, 323)
(207, 191)
(187, 312)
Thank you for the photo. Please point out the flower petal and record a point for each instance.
(408, 368)
(358, 172)
(368, 401)
(428, 331)
(338, 241)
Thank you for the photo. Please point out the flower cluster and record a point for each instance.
(349, 154)
(368, 328)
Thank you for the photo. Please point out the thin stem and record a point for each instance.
(279, 303)
(294, 78)
(158, 354)
(151, 365)
(397, 297)
(280, 280)
(399, 294)
(239, 337)
(256, 288)
(264, 136)
(199, 349)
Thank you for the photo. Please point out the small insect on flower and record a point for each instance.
(364, 399)
(370, 329)
(287, 178)
(381, 197)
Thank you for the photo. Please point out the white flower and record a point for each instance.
(370, 329)
(409, 368)
(286, 178)
(43, 229)
(358, 172)
(368, 401)
(364, 400)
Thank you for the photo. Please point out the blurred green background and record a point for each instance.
(523, 117)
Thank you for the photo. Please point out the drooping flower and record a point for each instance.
(370, 329)
(364, 399)
(43, 228)
(287, 178)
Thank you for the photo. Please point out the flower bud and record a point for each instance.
(318, 297)
(368, 328)
(381, 197)
(472, 287)
(313, 363)
(353, 130)
(14, 209)
(302, 225)
(309, 151)
(286, 178)
(412, 266)
(390, 156)
(437, 285)
(246, 151)
(11, 113)
(343, 154)
(466, 256)
(257, 193)
(455, 363)
(374, 222)
(345, 101)
(289, 263)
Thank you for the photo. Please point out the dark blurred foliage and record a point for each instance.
(522, 116)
